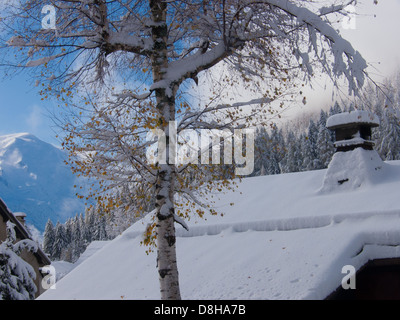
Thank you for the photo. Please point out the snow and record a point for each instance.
(353, 68)
(64, 267)
(355, 116)
(235, 265)
(20, 214)
(354, 169)
(352, 142)
(288, 236)
(91, 249)
(40, 61)
(16, 41)
(131, 41)
(181, 221)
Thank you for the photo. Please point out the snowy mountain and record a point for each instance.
(288, 236)
(35, 180)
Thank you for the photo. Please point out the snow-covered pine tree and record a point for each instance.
(276, 151)
(83, 228)
(384, 102)
(262, 150)
(60, 243)
(49, 238)
(16, 275)
(313, 138)
(292, 160)
(310, 149)
(335, 109)
(167, 47)
(325, 142)
(378, 132)
(306, 153)
(68, 246)
(100, 232)
(389, 128)
(90, 226)
(263, 172)
(389, 131)
(77, 239)
(350, 106)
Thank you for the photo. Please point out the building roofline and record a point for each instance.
(21, 232)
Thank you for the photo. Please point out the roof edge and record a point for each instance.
(21, 232)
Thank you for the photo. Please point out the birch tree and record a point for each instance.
(124, 67)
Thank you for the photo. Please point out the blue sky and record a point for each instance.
(22, 110)
(376, 36)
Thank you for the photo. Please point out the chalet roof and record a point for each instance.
(21, 232)
(347, 119)
(285, 238)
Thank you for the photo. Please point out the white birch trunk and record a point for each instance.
(166, 259)
(165, 228)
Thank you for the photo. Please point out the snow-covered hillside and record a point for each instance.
(288, 236)
(34, 179)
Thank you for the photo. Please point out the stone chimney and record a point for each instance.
(355, 163)
(353, 129)
(20, 217)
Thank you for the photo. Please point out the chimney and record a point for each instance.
(355, 162)
(20, 217)
(353, 129)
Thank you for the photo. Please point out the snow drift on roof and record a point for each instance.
(353, 169)
(283, 239)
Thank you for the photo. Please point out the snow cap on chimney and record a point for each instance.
(20, 217)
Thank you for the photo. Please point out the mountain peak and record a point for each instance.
(8, 139)
(22, 135)
(34, 179)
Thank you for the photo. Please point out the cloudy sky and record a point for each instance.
(376, 34)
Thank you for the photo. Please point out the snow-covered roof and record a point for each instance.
(64, 267)
(355, 116)
(286, 237)
(21, 231)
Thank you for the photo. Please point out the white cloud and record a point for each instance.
(34, 120)
(376, 35)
